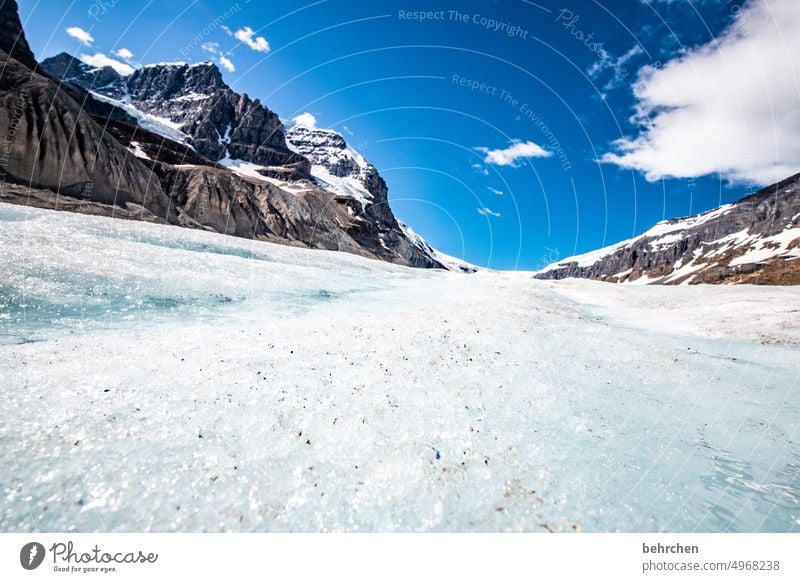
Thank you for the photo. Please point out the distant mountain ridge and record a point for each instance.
(755, 240)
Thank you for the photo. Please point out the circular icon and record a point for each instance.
(31, 555)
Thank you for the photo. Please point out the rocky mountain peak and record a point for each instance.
(328, 149)
(166, 81)
(173, 143)
(192, 103)
(104, 80)
(336, 166)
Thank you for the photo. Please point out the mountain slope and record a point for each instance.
(55, 145)
(755, 240)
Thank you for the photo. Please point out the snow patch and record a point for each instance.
(159, 125)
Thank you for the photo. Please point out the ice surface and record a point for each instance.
(163, 379)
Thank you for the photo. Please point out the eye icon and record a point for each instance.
(31, 555)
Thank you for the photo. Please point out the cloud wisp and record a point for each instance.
(488, 212)
(124, 54)
(223, 58)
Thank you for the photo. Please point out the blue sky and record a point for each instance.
(488, 118)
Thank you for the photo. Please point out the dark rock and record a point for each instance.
(12, 37)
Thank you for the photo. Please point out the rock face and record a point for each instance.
(172, 143)
(755, 240)
(12, 37)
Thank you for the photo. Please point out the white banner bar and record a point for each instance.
(406, 557)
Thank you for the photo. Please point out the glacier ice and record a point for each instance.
(163, 379)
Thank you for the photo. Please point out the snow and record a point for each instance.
(682, 224)
(166, 379)
(180, 64)
(780, 242)
(192, 97)
(452, 263)
(225, 139)
(662, 233)
(251, 170)
(137, 150)
(670, 231)
(247, 169)
(166, 64)
(160, 125)
(590, 258)
(342, 186)
(320, 142)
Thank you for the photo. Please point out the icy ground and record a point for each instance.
(162, 379)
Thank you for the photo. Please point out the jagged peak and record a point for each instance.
(317, 136)
(61, 56)
(181, 77)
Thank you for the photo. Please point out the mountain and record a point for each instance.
(189, 104)
(172, 143)
(755, 240)
(338, 168)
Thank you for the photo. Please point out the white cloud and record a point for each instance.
(227, 64)
(224, 61)
(124, 54)
(516, 151)
(731, 107)
(488, 212)
(81, 35)
(306, 120)
(101, 60)
(495, 191)
(246, 35)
